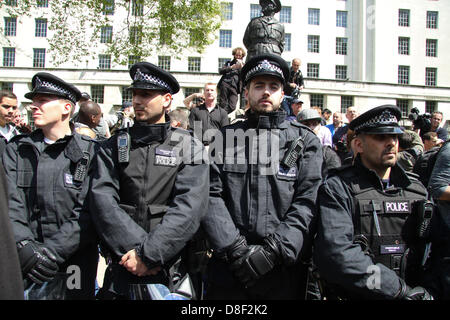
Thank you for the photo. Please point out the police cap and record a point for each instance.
(147, 76)
(46, 83)
(380, 120)
(265, 64)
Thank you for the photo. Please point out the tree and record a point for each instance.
(121, 28)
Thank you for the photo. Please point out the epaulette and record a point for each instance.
(299, 125)
(18, 137)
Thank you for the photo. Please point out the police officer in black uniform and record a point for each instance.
(150, 191)
(368, 244)
(260, 211)
(47, 173)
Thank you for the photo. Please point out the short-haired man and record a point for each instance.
(367, 245)
(436, 120)
(88, 118)
(337, 123)
(47, 173)
(8, 109)
(149, 194)
(208, 117)
(340, 136)
(262, 203)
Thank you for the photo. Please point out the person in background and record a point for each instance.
(8, 109)
(311, 118)
(229, 86)
(296, 107)
(179, 119)
(431, 140)
(89, 117)
(410, 147)
(337, 122)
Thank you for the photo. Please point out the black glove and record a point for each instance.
(234, 251)
(257, 261)
(38, 262)
(416, 293)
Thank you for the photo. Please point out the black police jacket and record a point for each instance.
(47, 204)
(256, 199)
(349, 253)
(155, 201)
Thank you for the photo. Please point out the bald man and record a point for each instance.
(88, 118)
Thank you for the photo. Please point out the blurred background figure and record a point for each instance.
(179, 119)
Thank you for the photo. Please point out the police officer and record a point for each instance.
(149, 194)
(262, 200)
(367, 244)
(47, 181)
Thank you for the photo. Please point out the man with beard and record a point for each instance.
(262, 194)
(367, 245)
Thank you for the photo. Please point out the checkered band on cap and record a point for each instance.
(386, 118)
(54, 87)
(140, 76)
(265, 65)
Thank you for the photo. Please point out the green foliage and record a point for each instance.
(158, 27)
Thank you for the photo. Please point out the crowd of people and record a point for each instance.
(285, 204)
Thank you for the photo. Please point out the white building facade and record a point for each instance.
(361, 53)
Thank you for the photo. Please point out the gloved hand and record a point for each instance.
(234, 251)
(257, 261)
(416, 293)
(38, 262)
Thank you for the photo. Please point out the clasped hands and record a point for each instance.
(134, 264)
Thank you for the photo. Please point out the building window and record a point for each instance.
(286, 15)
(132, 60)
(9, 57)
(104, 61)
(136, 35)
(189, 91)
(312, 70)
(222, 62)
(7, 86)
(346, 102)
(108, 7)
(316, 100)
(225, 37)
(41, 28)
(98, 93)
(341, 72)
(403, 74)
(106, 34)
(287, 42)
(313, 43)
(10, 26)
(42, 3)
(341, 46)
(137, 8)
(430, 106)
(341, 19)
(403, 105)
(227, 10)
(314, 16)
(430, 77)
(38, 58)
(432, 19)
(164, 62)
(403, 45)
(194, 64)
(127, 95)
(403, 17)
(255, 11)
(431, 48)
(11, 3)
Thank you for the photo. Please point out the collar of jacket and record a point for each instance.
(397, 178)
(72, 149)
(143, 134)
(272, 120)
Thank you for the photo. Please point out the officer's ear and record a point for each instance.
(67, 107)
(167, 101)
(357, 144)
